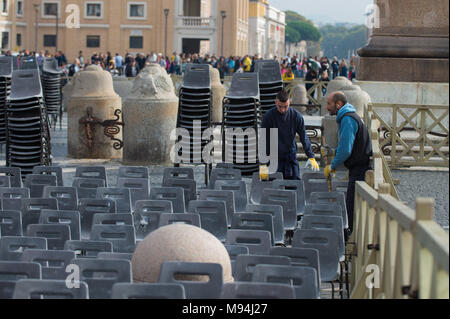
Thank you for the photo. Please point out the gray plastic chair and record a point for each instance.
(245, 264)
(92, 272)
(15, 175)
(314, 182)
(286, 199)
(225, 196)
(125, 256)
(49, 289)
(66, 196)
(258, 186)
(10, 223)
(225, 165)
(306, 257)
(63, 217)
(11, 248)
(146, 216)
(95, 172)
(53, 262)
(239, 189)
(339, 186)
(169, 219)
(122, 237)
(121, 196)
(89, 207)
(139, 188)
(36, 184)
(148, 291)
(11, 197)
(194, 289)
(133, 172)
(31, 209)
(178, 173)
(296, 186)
(326, 210)
(113, 219)
(253, 221)
(51, 170)
(213, 217)
(233, 252)
(331, 198)
(257, 241)
(5, 181)
(88, 248)
(56, 234)
(251, 290)
(326, 242)
(302, 278)
(224, 174)
(189, 186)
(276, 211)
(87, 187)
(173, 194)
(13, 272)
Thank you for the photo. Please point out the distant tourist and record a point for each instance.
(335, 67)
(343, 69)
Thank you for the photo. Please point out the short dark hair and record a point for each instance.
(283, 96)
(338, 96)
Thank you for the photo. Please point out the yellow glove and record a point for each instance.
(313, 164)
(328, 171)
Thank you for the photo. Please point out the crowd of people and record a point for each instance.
(129, 65)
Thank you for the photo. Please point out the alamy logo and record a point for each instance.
(73, 279)
(373, 279)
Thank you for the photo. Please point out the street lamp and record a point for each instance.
(223, 13)
(166, 14)
(36, 8)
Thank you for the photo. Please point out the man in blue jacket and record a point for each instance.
(354, 149)
(289, 123)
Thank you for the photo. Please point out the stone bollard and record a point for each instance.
(67, 93)
(218, 93)
(150, 115)
(122, 86)
(299, 96)
(335, 85)
(93, 93)
(356, 97)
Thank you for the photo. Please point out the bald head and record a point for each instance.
(335, 102)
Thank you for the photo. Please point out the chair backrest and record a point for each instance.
(5, 181)
(276, 211)
(251, 290)
(113, 219)
(293, 185)
(88, 248)
(96, 172)
(195, 287)
(133, 172)
(10, 223)
(253, 221)
(188, 185)
(190, 219)
(224, 174)
(339, 186)
(63, 217)
(37, 182)
(257, 241)
(125, 256)
(53, 170)
(56, 234)
(31, 209)
(102, 274)
(326, 210)
(122, 237)
(49, 289)
(146, 215)
(87, 187)
(225, 196)
(213, 216)
(148, 291)
(304, 279)
(139, 188)
(66, 196)
(10, 197)
(331, 198)
(178, 173)
(89, 207)
(314, 182)
(11, 272)
(245, 264)
(11, 248)
(121, 196)
(258, 186)
(14, 173)
(286, 199)
(239, 189)
(53, 262)
(326, 242)
(233, 252)
(173, 194)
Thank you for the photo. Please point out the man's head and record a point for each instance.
(282, 101)
(335, 102)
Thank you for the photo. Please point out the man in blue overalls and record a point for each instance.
(289, 122)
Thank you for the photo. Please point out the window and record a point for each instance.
(5, 7)
(51, 8)
(49, 40)
(19, 39)
(94, 9)
(93, 41)
(137, 10)
(5, 40)
(20, 8)
(136, 42)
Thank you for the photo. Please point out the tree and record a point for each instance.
(339, 39)
(298, 28)
(292, 36)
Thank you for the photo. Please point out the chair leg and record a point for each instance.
(347, 283)
(341, 279)
(332, 290)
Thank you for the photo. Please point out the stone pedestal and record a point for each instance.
(218, 93)
(92, 89)
(335, 85)
(150, 115)
(410, 43)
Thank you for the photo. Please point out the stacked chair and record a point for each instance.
(270, 83)
(51, 84)
(240, 112)
(195, 98)
(6, 69)
(28, 142)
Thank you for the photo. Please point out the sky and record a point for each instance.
(326, 11)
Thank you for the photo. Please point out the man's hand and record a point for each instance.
(328, 171)
(312, 163)
(327, 151)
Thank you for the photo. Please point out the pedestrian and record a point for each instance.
(335, 67)
(343, 69)
(132, 69)
(288, 76)
(119, 63)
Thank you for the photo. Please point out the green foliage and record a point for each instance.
(298, 28)
(292, 36)
(338, 39)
